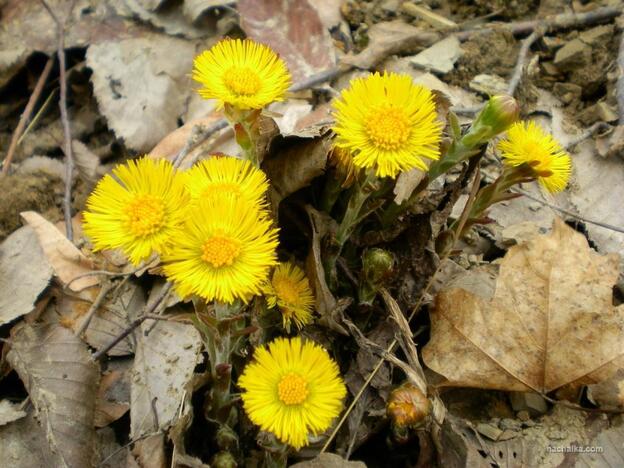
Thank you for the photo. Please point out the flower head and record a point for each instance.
(224, 251)
(292, 389)
(227, 175)
(242, 73)
(528, 143)
(137, 209)
(388, 123)
(289, 289)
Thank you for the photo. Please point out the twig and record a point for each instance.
(574, 406)
(69, 156)
(34, 97)
(570, 213)
(598, 126)
(550, 23)
(37, 117)
(133, 441)
(522, 56)
(619, 86)
(149, 310)
(106, 287)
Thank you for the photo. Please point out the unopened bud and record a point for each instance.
(377, 267)
(224, 459)
(495, 117)
(342, 160)
(408, 406)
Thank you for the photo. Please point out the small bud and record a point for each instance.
(408, 406)
(495, 117)
(377, 267)
(224, 459)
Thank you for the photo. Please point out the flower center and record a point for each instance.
(286, 289)
(217, 188)
(292, 389)
(219, 251)
(145, 215)
(242, 80)
(388, 128)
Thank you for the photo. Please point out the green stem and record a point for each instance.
(361, 192)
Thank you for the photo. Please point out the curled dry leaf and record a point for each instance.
(62, 379)
(166, 356)
(293, 29)
(24, 274)
(549, 323)
(326, 304)
(296, 166)
(66, 260)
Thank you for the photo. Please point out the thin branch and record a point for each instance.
(550, 23)
(522, 57)
(34, 97)
(150, 309)
(598, 126)
(94, 307)
(570, 213)
(68, 150)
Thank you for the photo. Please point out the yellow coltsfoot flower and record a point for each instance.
(137, 210)
(223, 174)
(290, 291)
(292, 389)
(388, 123)
(224, 251)
(528, 143)
(242, 73)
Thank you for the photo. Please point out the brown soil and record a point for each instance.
(39, 192)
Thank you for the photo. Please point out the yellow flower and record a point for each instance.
(388, 123)
(227, 175)
(528, 143)
(289, 289)
(292, 389)
(242, 73)
(137, 210)
(224, 251)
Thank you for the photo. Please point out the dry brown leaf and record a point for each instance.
(550, 321)
(110, 320)
(87, 163)
(23, 445)
(293, 29)
(142, 111)
(296, 166)
(61, 378)
(24, 274)
(329, 460)
(326, 304)
(113, 396)
(170, 145)
(68, 262)
(390, 38)
(166, 356)
(10, 412)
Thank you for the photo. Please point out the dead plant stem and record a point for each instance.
(34, 97)
(69, 155)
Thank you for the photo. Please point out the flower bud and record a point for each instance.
(495, 117)
(342, 160)
(224, 459)
(408, 406)
(377, 267)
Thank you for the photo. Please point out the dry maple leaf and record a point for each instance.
(550, 321)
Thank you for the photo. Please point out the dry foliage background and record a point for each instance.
(518, 342)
